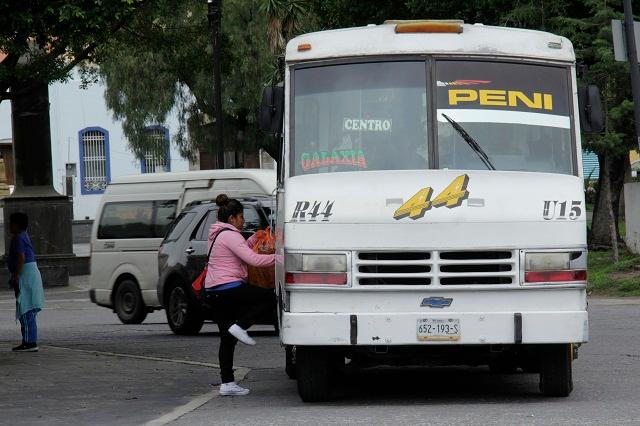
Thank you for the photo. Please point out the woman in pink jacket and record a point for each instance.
(239, 303)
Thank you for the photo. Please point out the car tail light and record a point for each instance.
(311, 278)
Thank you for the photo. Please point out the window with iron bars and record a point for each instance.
(157, 160)
(95, 171)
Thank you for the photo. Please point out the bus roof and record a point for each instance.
(476, 39)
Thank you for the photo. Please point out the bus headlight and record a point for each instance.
(316, 262)
(550, 267)
(546, 261)
(316, 269)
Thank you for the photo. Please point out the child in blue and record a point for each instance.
(25, 281)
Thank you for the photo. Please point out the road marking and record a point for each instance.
(143, 357)
(50, 300)
(195, 403)
(50, 290)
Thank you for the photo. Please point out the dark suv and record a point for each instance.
(182, 256)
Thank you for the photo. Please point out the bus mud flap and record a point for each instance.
(354, 329)
(517, 322)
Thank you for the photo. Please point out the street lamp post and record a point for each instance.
(215, 17)
(633, 64)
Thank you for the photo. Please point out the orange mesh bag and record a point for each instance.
(265, 244)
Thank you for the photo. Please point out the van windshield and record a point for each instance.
(375, 116)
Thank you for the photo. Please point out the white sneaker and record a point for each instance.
(239, 333)
(232, 389)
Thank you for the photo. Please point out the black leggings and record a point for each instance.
(243, 305)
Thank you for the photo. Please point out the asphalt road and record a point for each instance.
(93, 370)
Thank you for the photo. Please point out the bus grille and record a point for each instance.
(445, 268)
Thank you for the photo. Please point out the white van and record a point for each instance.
(131, 221)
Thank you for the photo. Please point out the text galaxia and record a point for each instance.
(341, 157)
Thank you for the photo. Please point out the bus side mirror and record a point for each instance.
(591, 117)
(272, 110)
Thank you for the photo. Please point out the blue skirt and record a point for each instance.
(31, 291)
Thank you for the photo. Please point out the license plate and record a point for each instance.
(438, 329)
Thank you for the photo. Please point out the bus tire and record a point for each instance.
(313, 373)
(183, 312)
(290, 366)
(555, 370)
(128, 303)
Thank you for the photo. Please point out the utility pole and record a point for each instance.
(215, 17)
(633, 64)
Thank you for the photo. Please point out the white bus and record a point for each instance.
(430, 200)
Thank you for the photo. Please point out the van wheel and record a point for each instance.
(128, 303)
(290, 366)
(313, 373)
(182, 310)
(555, 370)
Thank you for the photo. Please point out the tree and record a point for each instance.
(588, 25)
(41, 42)
(285, 19)
(44, 41)
(162, 62)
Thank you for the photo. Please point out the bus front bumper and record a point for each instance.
(342, 329)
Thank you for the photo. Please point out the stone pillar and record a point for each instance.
(632, 215)
(50, 213)
(4, 188)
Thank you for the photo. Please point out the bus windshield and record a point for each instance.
(365, 116)
(519, 114)
(375, 116)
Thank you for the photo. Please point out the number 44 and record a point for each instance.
(452, 196)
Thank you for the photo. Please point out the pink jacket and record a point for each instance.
(230, 256)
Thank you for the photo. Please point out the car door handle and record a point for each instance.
(189, 250)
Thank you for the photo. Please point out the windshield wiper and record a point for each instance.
(471, 142)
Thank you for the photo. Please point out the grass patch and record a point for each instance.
(608, 279)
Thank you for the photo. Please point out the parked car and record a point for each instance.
(183, 255)
(132, 219)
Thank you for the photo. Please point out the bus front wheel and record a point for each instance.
(555, 370)
(290, 366)
(313, 373)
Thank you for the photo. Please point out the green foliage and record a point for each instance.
(50, 38)
(285, 18)
(163, 62)
(347, 13)
(621, 279)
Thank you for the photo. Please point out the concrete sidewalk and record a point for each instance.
(91, 369)
(64, 386)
